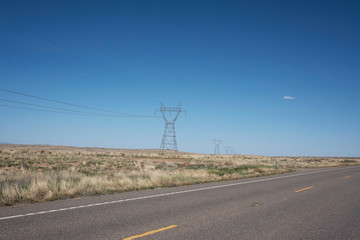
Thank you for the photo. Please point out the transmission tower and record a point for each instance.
(170, 115)
(229, 150)
(217, 146)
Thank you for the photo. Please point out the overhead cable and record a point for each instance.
(120, 114)
(71, 113)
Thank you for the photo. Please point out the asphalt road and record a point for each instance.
(307, 204)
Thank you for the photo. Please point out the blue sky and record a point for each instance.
(230, 64)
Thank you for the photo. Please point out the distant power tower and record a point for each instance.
(229, 150)
(170, 115)
(217, 146)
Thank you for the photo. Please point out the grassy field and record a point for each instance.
(41, 173)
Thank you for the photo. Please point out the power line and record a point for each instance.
(46, 64)
(71, 113)
(68, 51)
(196, 132)
(75, 75)
(56, 108)
(43, 110)
(71, 104)
(191, 136)
(72, 53)
(188, 136)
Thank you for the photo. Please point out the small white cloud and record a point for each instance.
(289, 98)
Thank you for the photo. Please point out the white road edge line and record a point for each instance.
(168, 194)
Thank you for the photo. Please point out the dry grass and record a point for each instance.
(40, 173)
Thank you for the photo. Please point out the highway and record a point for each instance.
(307, 204)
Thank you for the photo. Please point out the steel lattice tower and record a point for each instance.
(229, 150)
(217, 146)
(170, 115)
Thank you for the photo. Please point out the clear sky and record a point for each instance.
(267, 77)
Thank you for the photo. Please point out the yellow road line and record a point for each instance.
(300, 190)
(348, 176)
(151, 232)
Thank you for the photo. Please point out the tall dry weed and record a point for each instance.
(40, 173)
